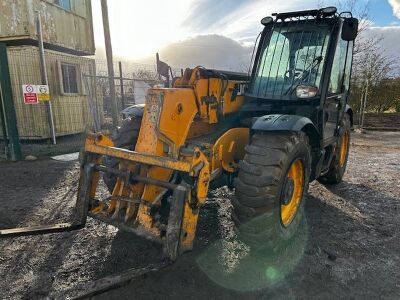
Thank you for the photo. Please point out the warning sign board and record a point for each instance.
(43, 93)
(30, 94)
(35, 93)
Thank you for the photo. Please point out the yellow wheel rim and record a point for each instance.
(290, 207)
(344, 148)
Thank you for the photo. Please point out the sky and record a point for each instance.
(214, 33)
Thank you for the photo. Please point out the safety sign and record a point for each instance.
(35, 93)
(30, 94)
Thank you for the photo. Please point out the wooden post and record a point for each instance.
(110, 65)
(364, 105)
(361, 108)
(10, 118)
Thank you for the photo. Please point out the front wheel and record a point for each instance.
(270, 188)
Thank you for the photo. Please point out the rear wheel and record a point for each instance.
(270, 188)
(124, 137)
(339, 161)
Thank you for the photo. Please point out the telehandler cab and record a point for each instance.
(266, 135)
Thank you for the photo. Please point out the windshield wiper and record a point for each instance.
(316, 62)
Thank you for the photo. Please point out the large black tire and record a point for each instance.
(338, 167)
(260, 186)
(124, 137)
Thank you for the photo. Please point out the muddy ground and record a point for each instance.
(348, 248)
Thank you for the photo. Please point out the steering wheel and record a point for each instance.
(293, 76)
(293, 73)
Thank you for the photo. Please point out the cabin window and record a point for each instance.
(66, 4)
(292, 53)
(339, 62)
(69, 78)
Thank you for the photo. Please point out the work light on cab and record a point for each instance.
(329, 11)
(266, 20)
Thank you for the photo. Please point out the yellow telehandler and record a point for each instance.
(267, 135)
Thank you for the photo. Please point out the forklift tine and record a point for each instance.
(171, 247)
(81, 212)
(82, 204)
(37, 230)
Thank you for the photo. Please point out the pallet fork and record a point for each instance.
(91, 166)
(82, 208)
(78, 222)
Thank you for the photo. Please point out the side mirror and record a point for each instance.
(349, 29)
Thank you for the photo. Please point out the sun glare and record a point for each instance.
(139, 29)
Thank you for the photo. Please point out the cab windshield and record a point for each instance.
(291, 54)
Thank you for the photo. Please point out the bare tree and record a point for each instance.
(371, 65)
(145, 75)
(385, 96)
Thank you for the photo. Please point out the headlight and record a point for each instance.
(305, 91)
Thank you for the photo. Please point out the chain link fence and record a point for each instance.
(131, 84)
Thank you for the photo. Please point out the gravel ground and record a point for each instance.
(348, 248)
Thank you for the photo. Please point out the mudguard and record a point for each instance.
(295, 123)
(281, 123)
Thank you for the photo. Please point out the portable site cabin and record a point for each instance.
(68, 92)
(68, 37)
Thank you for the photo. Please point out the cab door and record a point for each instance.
(338, 89)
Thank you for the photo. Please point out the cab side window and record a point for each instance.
(338, 68)
(348, 66)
